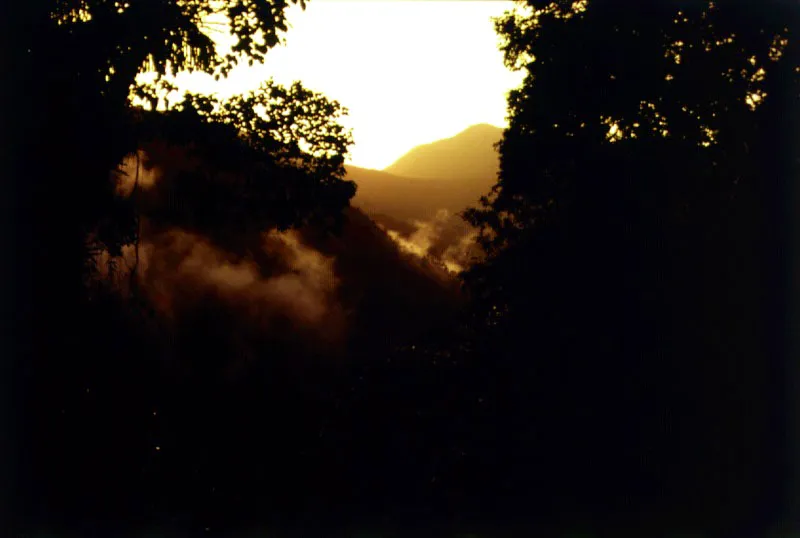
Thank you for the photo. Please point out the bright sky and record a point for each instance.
(409, 72)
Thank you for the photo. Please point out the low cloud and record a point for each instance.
(302, 291)
(278, 290)
(445, 239)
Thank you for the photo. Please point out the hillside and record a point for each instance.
(391, 297)
(468, 155)
(406, 198)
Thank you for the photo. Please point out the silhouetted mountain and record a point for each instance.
(391, 297)
(468, 155)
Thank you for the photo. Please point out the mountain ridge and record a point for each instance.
(470, 154)
(450, 174)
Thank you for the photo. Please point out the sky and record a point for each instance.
(409, 72)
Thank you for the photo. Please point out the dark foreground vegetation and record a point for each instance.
(616, 363)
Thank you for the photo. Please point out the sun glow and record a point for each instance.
(408, 72)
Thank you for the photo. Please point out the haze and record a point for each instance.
(409, 72)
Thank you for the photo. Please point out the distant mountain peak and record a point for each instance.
(468, 155)
(482, 127)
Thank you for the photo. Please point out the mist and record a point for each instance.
(310, 295)
(445, 238)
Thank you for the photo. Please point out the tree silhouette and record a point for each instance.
(81, 60)
(628, 239)
(238, 170)
(91, 52)
(273, 159)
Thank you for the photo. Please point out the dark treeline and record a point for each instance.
(613, 365)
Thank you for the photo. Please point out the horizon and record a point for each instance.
(387, 168)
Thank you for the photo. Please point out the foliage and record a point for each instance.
(656, 76)
(75, 64)
(272, 158)
(660, 106)
(628, 240)
(82, 60)
(164, 35)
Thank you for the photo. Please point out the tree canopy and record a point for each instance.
(628, 239)
(271, 158)
(683, 75)
(82, 59)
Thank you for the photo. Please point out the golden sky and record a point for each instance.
(410, 72)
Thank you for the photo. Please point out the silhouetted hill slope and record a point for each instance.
(404, 198)
(390, 297)
(468, 155)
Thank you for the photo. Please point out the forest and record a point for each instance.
(215, 327)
